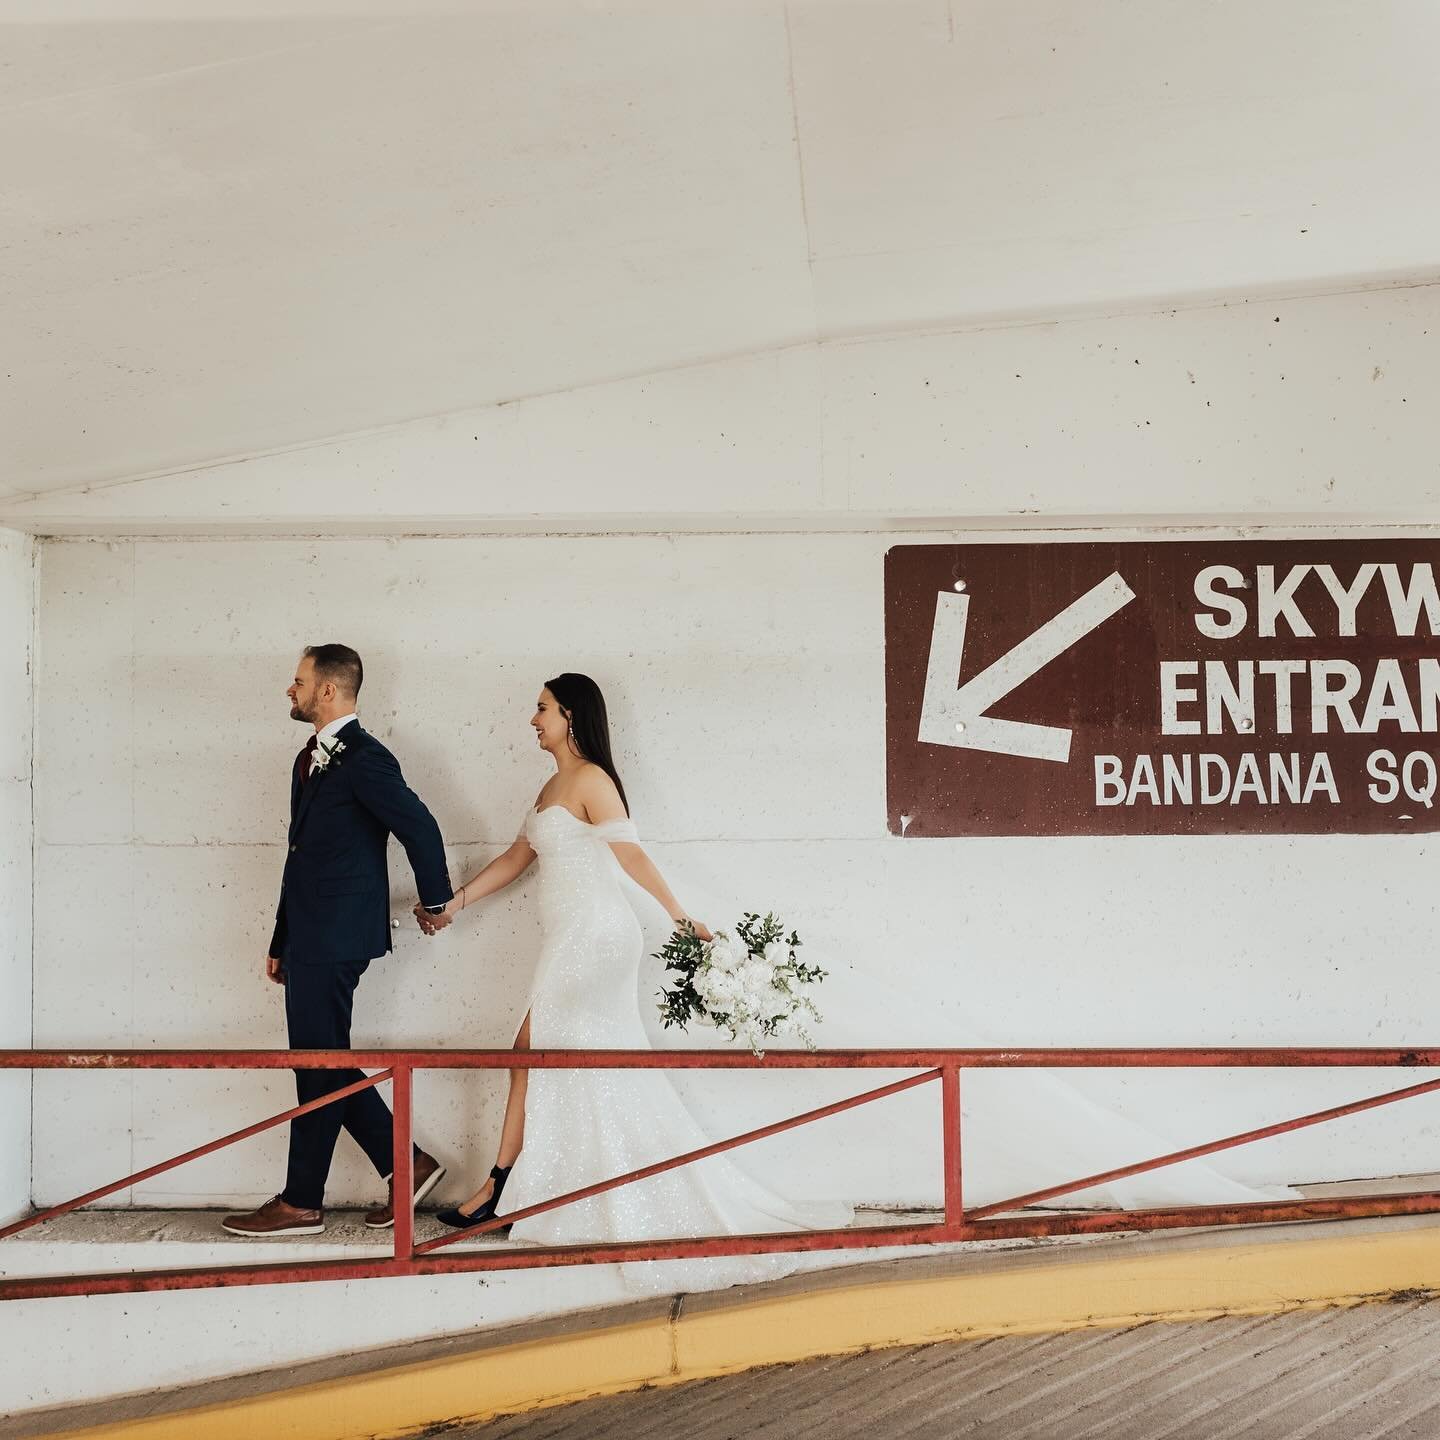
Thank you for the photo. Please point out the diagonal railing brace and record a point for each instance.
(1195, 1152)
(720, 1146)
(150, 1171)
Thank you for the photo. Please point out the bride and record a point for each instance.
(585, 1126)
(593, 1125)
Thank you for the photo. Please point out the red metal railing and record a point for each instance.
(991, 1222)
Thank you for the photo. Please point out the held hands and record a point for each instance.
(431, 924)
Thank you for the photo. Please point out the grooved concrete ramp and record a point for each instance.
(1354, 1374)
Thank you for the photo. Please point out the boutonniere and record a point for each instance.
(324, 754)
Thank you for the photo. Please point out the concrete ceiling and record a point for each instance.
(224, 237)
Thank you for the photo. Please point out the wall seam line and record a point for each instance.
(36, 551)
(997, 528)
(134, 666)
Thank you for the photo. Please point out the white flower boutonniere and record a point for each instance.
(324, 754)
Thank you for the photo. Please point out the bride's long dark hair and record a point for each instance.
(584, 706)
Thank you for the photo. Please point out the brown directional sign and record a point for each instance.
(1158, 688)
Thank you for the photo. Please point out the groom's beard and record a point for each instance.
(296, 713)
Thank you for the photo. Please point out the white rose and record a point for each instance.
(755, 975)
(722, 988)
(725, 955)
(776, 954)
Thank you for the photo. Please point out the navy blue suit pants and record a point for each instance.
(318, 1004)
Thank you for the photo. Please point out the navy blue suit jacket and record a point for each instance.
(335, 894)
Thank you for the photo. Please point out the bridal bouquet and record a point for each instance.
(748, 984)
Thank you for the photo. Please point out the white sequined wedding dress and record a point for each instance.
(584, 1126)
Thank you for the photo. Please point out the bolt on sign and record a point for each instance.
(1163, 687)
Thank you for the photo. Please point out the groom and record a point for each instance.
(347, 797)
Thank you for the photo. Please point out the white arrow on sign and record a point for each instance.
(951, 716)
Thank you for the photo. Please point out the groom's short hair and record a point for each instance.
(339, 664)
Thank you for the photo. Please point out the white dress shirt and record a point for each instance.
(334, 728)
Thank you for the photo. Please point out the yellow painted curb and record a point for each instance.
(409, 1398)
(1051, 1290)
(1074, 1291)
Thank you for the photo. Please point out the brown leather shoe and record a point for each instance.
(429, 1172)
(273, 1218)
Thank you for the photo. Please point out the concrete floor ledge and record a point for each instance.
(1117, 1281)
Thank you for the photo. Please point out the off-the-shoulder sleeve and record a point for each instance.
(614, 832)
(523, 832)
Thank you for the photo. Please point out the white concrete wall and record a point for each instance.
(745, 675)
(17, 618)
